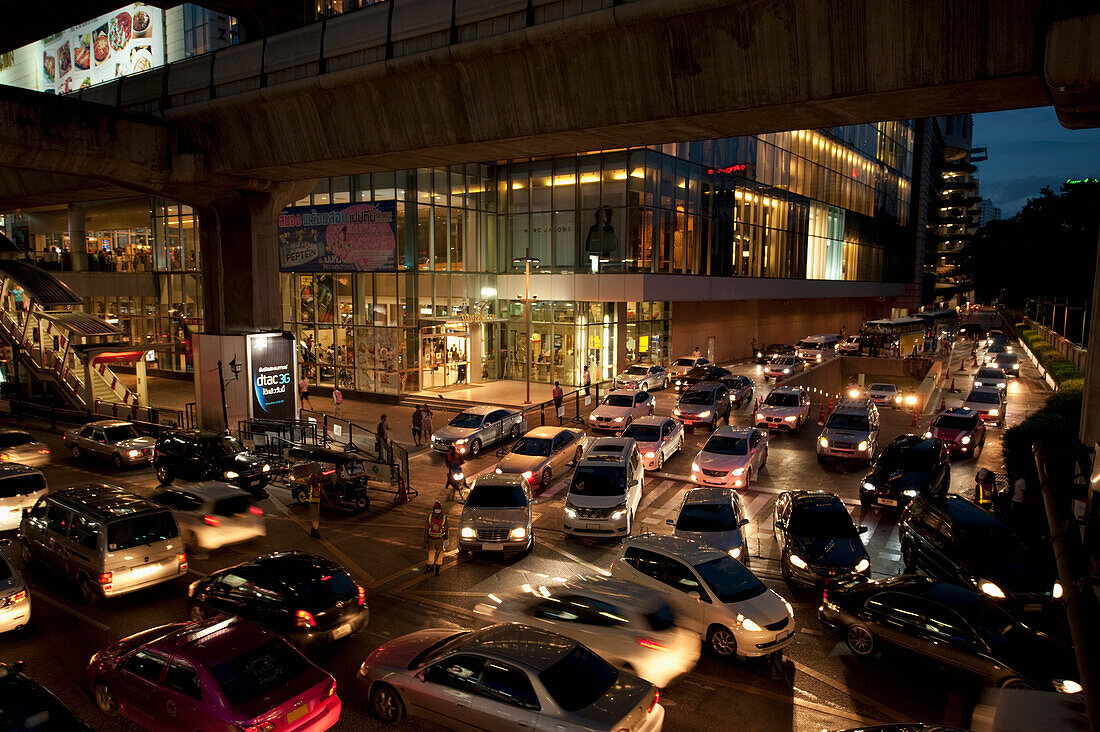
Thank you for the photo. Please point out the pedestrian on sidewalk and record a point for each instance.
(558, 396)
(382, 441)
(314, 496)
(753, 353)
(426, 424)
(586, 380)
(435, 537)
(303, 392)
(417, 418)
(337, 400)
(696, 352)
(1016, 513)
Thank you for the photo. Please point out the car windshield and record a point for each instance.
(823, 520)
(141, 530)
(1009, 358)
(21, 485)
(226, 445)
(776, 399)
(496, 496)
(953, 422)
(995, 348)
(684, 362)
(854, 422)
(120, 433)
(783, 361)
(984, 397)
(726, 445)
(643, 432)
(598, 480)
(323, 589)
(637, 371)
(888, 388)
(579, 679)
(259, 671)
(777, 348)
(619, 400)
(809, 345)
(533, 446)
(730, 580)
(467, 420)
(907, 459)
(697, 397)
(706, 517)
(990, 374)
(437, 649)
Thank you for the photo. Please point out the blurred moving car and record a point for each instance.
(505, 676)
(991, 375)
(685, 364)
(212, 515)
(606, 489)
(741, 389)
(884, 395)
(989, 402)
(497, 515)
(110, 439)
(224, 673)
(730, 457)
(781, 367)
(642, 376)
(658, 439)
(774, 350)
(542, 452)
(477, 428)
(817, 539)
(708, 372)
(619, 408)
(20, 487)
(209, 455)
(15, 599)
(307, 599)
(908, 467)
(18, 446)
(628, 625)
(714, 517)
(28, 706)
(712, 593)
(949, 625)
(784, 408)
(961, 429)
(706, 403)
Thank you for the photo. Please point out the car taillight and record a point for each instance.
(105, 578)
(650, 643)
(182, 559)
(656, 700)
(331, 689)
(255, 510)
(304, 620)
(362, 595)
(259, 727)
(44, 451)
(825, 596)
(212, 520)
(15, 599)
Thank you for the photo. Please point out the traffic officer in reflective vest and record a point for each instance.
(435, 536)
(985, 482)
(314, 505)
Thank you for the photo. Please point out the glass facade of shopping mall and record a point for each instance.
(829, 204)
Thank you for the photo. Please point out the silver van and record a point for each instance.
(818, 348)
(106, 539)
(850, 432)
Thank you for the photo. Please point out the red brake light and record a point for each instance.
(650, 643)
(656, 700)
(825, 595)
(212, 520)
(105, 578)
(302, 619)
(331, 688)
(44, 452)
(259, 727)
(362, 595)
(15, 599)
(256, 510)
(328, 472)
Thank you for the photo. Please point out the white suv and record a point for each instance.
(785, 408)
(712, 593)
(605, 490)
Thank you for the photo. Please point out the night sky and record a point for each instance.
(1029, 149)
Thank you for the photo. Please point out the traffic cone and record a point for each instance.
(916, 416)
(953, 389)
(821, 416)
(830, 404)
(943, 403)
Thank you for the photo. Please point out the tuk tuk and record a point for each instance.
(343, 476)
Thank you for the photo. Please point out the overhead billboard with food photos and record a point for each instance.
(127, 41)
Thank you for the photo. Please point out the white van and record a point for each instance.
(818, 348)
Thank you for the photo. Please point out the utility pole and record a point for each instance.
(527, 300)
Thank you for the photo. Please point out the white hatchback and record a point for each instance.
(731, 457)
(212, 515)
(712, 593)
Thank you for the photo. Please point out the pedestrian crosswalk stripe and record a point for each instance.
(651, 497)
(756, 504)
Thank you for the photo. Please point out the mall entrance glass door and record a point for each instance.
(444, 356)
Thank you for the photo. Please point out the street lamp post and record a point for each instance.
(527, 300)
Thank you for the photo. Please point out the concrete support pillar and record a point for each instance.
(1090, 405)
(78, 238)
(474, 354)
(142, 389)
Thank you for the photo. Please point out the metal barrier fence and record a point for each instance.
(575, 407)
(63, 415)
(133, 413)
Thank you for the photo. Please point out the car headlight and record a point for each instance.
(676, 412)
(570, 512)
(592, 417)
(650, 455)
(818, 357)
(695, 467)
(1056, 592)
(994, 412)
(1015, 366)
(868, 486)
(519, 532)
(792, 418)
(824, 441)
(1067, 686)
(467, 532)
(862, 565)
(462, 441)
(498, 471)
(528, 474)
(965, 440)
(790, 610)
(977, 383)
(735, 552)
(230, 474)
(798, 561)
(863, 445)
(897, 399)
(910, 399)
(909, 493)
(927, 434)
(991, 589)
(759, 415)
(704, 414)
(786, 371)
(739, 471)
(748, 624)
(1001, 386)
(617, 515)
(618, 419)
(134, 453)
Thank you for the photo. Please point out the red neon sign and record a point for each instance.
(731, 169)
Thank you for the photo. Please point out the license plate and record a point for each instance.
(492, 547)
(145, 570)
(887, 502)
(340, 632)
(297, 713)
(593, 527)
(1033, 607)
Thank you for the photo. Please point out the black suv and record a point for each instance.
(908, 467)
(707, 372)
(954, 540)
(774, 350)
(208, 455)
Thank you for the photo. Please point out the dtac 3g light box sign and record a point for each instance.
(351, 237)
(272, 376)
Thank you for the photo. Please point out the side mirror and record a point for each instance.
(743, 522)
(670, 522)
(422, 674)
(863, 529)
(695, 594)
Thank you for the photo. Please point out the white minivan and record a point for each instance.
(606, 489)
(818, 348)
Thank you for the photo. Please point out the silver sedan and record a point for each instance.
(505, 677)
(641, 376)
(110, 439)
(477, 428)
(658, 438)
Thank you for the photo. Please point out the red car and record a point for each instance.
(961, 429)
(224, 673)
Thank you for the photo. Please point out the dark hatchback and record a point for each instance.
(817, 539)
(208, 455)
(774, 350)
(908, 467)
(742, 389)
(950, 625)
(27, 705)
(699, 374)
(309, 600)
(957, 541)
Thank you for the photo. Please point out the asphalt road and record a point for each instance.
(818, 686)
